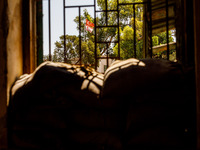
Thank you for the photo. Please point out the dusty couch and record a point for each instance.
(136, 104)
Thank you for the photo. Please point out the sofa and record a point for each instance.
(134, 105)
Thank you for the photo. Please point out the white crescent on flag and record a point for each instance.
(88, 28)
(88, 23)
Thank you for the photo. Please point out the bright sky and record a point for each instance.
(57, 20)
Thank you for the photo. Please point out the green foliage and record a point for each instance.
(72, 50)
(127, 28)
(88, 52)
(155, 40)
(126, 44)
(109, 34)
(162, 38)
(103, 34)
(72, 43)
(126, 17)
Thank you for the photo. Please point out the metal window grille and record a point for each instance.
(150, 24)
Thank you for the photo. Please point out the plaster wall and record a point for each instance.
(14, 42)
(10, 56)
(197, 64)
(3, 73)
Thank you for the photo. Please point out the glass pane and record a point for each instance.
(101, 18)
(139, 31)
(107, 34)
(112, 4)
(100, 5)
(112, 18)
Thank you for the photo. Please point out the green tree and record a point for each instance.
(126, 44)
(162, 38)
(125, 17)
(72, 50)
(103, 34)
(72, 43)
(126, 32)
(109, 34)
(155, 40)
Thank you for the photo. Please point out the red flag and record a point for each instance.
(88, 28)
(90, 24)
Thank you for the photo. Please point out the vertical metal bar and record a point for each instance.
(107, 55)
(134, 32)
(145, 26)
(95, 38)
(79, 8)
(106, 25)
(65, 58)
(176, 30)
(106, 12)
(183, 54)
(39, 32)
(167, 29)
(49, 11)
(118, 29)
(150, 15)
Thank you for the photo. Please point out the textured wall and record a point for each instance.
(197, 60)
(14, 42)
(3, 72)
(10, 56)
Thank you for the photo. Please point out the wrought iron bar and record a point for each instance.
(95, 37)
(107, 26)
(134, 32)
(79, 10)
(118, 30)
(49, 12)
(167, 29)
(65, 58)
(106, 12)
(39, 32)
(150, 15)
(135, 3)
(80, 53)
(95, 23)
(79, 6)
(145, 37)
(107, 41)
